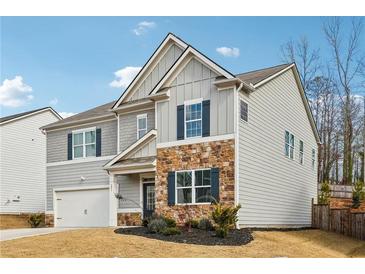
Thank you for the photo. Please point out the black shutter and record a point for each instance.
(98, 142)
(180, 122)
(69, 146)
(214, 179)
(171, 188)
(206, 118)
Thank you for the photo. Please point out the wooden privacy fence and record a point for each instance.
(339, 220)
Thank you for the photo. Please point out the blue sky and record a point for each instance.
(69, 62)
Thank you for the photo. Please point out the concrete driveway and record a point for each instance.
(10, 234)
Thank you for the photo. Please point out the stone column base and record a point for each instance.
(49, 220)
(129, 219)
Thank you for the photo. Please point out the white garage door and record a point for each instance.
(82, 208)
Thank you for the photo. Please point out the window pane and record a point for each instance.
(78, 152)
(292, 140)
(183, 179)
(90, 150)
(206, 177)
(184, 196)
(193, 112)
(286, 137)
(194, 129)
(291, 153)
(89, 137)
(244, 111)
(287, 150)
(142, 123)
(199, 177)
(78, 139)
(141, 133)
(301, 146)
(203, 195)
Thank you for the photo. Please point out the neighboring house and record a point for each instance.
(184, 131)
(23, 161)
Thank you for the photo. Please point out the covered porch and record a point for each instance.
(132, 182)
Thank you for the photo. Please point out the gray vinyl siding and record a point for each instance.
(57, 141)
(275, 190)
(158, 72)
(129, 188)
(128, 127)
(69, 175)
(193, 82)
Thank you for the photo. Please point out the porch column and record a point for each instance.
(113, 201)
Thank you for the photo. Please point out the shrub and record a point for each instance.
(170, 222)
(156, 225)
(324, 194)
(170, 231)
(35, 219)
(192, 223)
(145, 222)
(225, 217)
(205, 224)
(358, 194)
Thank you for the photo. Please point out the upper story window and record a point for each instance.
(193, 186)
(244, 111)
(84, 143)
(193, 119)
(301, 152)
(141, 125)
(313, 158)
(289, 145)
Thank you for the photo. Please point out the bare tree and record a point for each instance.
(306, 59)
(348, 65)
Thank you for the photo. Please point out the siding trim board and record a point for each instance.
(79, 161)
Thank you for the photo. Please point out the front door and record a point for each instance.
(148, 199)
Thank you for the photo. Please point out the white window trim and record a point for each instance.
(290, 133)
(141, 116)
(240, 110)
(301, 153)
(83, 131)
(192, 186)
(189, 103)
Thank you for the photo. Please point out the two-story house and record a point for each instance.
(23, 165)
(184, 132)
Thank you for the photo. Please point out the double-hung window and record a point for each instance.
(193, 119)
(141, 125)
(313, 158)
(289, 145)
(193, 187)
(301, 152)
(84, 143)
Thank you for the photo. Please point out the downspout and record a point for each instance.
(236, 152)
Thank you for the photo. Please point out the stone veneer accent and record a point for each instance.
(218, 154)
(49, 220)
(129, 219)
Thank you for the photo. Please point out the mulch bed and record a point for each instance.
(196, 236)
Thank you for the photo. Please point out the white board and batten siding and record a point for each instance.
(195, 81)
(273, 189)
(23, 163)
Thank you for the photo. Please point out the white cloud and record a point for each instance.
(228, 52)
(66, 114)
(124, 76)
(15, 93)
(143, 27)
(54, 101)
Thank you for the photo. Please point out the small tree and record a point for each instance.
(324, 194)
(358, 194)
(35, 219)
(225, 217)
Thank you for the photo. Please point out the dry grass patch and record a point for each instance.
(106, 243)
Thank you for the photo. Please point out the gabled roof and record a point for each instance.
(169, 37)
(191, 52)
(256, 76)
(99, 112)
(10, 118)
(148, 137)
